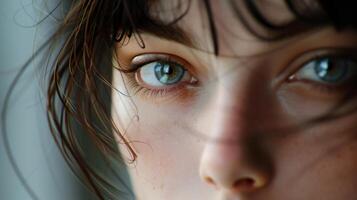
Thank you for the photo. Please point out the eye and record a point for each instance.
(328, 70)
(162, 74)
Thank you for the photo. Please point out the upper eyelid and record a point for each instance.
(298, 61)
(304, 58)
(310, 55)
(142, 59)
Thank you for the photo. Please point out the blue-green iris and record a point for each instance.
(332, 70)
(169, 73)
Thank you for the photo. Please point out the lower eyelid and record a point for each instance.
(180, 91)
(177, 94)
(319, 91)
(139, 79)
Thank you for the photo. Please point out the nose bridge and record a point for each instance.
(227, 160)
(231, 106)
(229, 119)
(229, 125)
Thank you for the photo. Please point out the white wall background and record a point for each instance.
(29, 139)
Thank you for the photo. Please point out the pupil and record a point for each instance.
(167, 69)
(331, 70)
(169, 73)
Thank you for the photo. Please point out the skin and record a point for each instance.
(226, 137)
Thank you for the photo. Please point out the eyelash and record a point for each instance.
(325, 87)
(178, 90)
(173, 91)
(153, 93)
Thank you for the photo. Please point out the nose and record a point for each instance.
(234, 157)
(227, 166)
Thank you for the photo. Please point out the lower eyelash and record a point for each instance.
(173, 92)
(328, 89)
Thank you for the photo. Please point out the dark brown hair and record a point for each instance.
(79, 89)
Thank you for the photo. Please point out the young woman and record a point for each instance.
(211, 100)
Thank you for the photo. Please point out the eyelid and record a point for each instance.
(302, 59)
(143, 59)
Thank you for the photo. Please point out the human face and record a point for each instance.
(228, 126)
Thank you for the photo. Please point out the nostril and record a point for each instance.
(244, 184)
(209, 180)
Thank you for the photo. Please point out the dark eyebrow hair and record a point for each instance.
(172, 31)
(175, 33)
(169, 32)
(308, 16)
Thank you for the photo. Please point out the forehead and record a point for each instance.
(276, 10)
(231, 19)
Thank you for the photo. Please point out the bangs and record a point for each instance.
(290, 17)
(153, 16)
(307, 15)
(162, 18)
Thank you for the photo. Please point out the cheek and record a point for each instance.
(167, 153)
(332, 176)
(320, 163)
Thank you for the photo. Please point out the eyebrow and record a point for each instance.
(300, 24)
(172, 33)
(175, 33)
